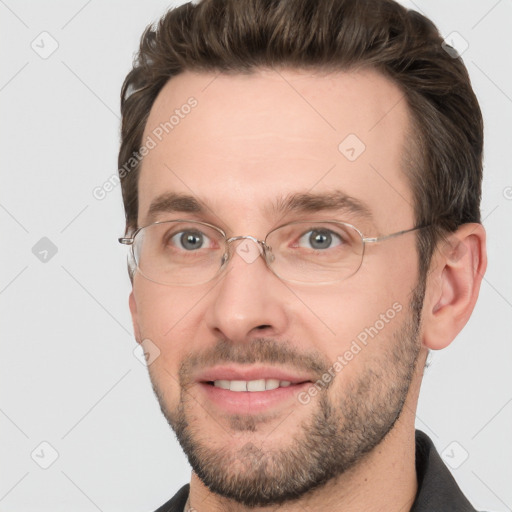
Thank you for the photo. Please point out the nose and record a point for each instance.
(249, 300)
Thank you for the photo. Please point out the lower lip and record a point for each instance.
(251, 402)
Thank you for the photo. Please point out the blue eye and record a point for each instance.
(190, 240)
(320, 239)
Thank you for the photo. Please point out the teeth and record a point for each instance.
(271, 384)
(238, 385)
(251, 385)
(224, 384)
(256, 385)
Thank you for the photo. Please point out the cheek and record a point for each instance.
(169, 318)
(359, 315)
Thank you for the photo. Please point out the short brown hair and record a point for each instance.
(444, 160)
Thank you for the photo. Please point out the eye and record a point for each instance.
(190, 240)
(320, 239)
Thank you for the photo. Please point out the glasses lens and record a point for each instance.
(316, 252)
(178, 253)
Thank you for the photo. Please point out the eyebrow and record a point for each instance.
(172, 202)
(335, 201)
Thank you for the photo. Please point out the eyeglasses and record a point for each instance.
(188, 252)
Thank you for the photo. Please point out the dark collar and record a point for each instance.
(177, 502)
(437, 490)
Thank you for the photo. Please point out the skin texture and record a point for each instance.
(251, 141)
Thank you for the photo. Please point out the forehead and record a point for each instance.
(241, 142)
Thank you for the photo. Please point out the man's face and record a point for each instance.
(250, 144)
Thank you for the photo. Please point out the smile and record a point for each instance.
(251, 385)
(242, 389)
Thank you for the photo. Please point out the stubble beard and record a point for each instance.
(337, 435)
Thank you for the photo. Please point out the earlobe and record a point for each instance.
(133, 310)
(453, 286)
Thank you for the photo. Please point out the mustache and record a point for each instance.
(257, 350)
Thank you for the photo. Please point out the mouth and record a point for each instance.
(252, 386)
(239, 390)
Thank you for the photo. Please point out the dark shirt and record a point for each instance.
(437, 489)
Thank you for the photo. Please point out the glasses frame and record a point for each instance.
(265, 249)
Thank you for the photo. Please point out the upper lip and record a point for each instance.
(249, 373)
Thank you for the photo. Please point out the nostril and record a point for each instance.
(261, 327)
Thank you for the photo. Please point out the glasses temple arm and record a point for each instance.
(393, 235)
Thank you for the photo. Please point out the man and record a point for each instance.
(301, 183)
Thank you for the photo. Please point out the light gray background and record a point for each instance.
(68, 373)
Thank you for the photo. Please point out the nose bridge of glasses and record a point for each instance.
(242, 237)
(249, 247)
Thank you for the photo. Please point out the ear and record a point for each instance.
(133, 310)
(457, 268)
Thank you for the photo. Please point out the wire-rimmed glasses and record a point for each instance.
(188, 252)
